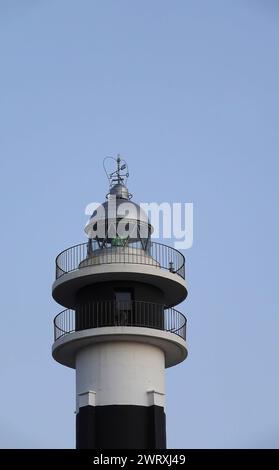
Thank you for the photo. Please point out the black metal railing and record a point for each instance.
(112, 313)
(157, 254)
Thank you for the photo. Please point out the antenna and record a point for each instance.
(120, 175)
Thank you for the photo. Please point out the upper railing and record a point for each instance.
(106, 313)
(157, 254)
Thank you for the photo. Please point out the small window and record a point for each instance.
(123, 296)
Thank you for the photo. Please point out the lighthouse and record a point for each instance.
(119, 328)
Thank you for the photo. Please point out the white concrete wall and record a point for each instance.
(120, 373)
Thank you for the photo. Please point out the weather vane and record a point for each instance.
(118, 176)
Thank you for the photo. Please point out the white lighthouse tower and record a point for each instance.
(120, 329)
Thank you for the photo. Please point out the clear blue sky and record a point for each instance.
(188, 92)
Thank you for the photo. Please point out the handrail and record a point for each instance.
(157, 255)
(106, 313)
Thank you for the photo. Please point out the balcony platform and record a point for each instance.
(65, 287)
(64, 350)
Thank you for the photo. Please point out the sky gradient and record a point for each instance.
(187, 92)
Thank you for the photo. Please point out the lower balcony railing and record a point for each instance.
(113, 313)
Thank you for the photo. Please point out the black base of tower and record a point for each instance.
(121, 427)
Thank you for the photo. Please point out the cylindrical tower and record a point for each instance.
(120, 329)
